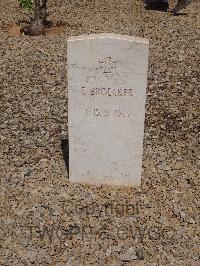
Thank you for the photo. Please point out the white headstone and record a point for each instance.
(107, 76)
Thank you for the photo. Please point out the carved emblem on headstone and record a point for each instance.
(107, 64)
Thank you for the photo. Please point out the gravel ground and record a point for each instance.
(45, 220)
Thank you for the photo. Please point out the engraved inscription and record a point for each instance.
(101, 112)
(106, 92)
(107, 64)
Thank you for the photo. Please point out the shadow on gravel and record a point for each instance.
(179, 14)
(165, 11)
(65, 152)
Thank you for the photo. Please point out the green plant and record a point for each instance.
(28, 4)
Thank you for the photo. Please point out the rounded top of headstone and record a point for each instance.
(109, 36)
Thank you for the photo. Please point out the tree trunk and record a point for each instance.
(37, 10)
(37, 26)
(44, 11)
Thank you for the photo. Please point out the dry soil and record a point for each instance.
(45, 219)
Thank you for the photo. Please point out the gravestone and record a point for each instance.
(107, 76)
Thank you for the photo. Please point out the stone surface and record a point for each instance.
(107, 77)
